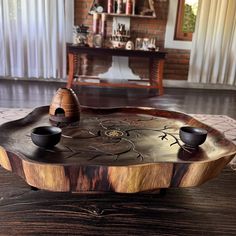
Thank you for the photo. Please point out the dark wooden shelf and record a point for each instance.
(115, 52)
(138, 3)
(126, 15)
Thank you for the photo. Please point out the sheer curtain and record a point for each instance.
(213, 55)
(33, 35)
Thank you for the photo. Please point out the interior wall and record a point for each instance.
(177, 62)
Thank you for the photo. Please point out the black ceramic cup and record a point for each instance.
(46, 136)
(192, 136)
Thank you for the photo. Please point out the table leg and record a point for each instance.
(84, 64)
(160, 71)
(151, 72)
(156, 74)
(33, 188)
(70, 79)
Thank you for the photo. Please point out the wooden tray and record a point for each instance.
(122, 149)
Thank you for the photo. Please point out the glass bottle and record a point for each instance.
(110, 6)
(95, 23)
(119, 6)
(129, 7)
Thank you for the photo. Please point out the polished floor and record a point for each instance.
(30, 94)
(209, 209)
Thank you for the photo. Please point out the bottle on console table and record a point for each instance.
(104, 26)
(96, 23)
(129, 7)
(119, 6)
(110, 6)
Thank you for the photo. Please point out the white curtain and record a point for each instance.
(33, 35)
(213, 54)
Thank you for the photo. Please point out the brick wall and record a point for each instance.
(177, 63)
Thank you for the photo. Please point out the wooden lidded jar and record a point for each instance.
(65, 106)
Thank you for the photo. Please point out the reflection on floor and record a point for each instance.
(29, 94)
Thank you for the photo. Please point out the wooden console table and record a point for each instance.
(156, 62)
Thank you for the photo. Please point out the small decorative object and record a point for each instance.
(146, 8)
(119, 6)
(96, 8)
(75, 37)
(115, 6)
(110, 6)
(129, 45)
(97, 40)
(80, 35)
(65, 107)
(146, 12)
(152, 44)
(145, 44)
(134, 5)
(104, 26)
(139, 44)
(129, 7)
(46, 136)
(99, 9)
(192, 136)
(96, 18)
(120, 36)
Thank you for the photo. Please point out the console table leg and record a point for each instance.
(151, 72)
(70, 79)
(156, 74)
(160, 70)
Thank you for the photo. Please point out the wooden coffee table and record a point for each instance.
(124, 150)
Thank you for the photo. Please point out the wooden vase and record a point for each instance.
(65, 106)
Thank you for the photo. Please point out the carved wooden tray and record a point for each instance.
(122, 149)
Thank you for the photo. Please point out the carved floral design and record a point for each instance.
(119, 136)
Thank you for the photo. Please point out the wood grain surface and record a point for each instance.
(209, 209)
(206, 210)
(124, 150)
